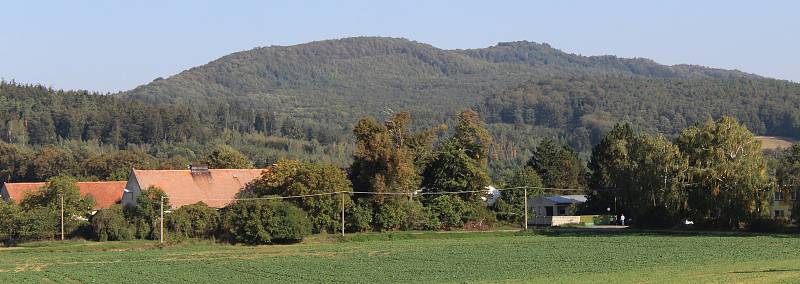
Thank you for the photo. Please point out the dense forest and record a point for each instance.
(303, 101)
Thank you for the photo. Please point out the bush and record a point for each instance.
(265, 222)
(17, 225)
(477, 216)
(402, 214)
(767, 225)
(145, 216)
(359, 217)
(421, 218)
(448, 210)
(193, 221)
(390, 215)
(110, 225)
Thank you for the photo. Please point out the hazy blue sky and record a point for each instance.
(117, 45)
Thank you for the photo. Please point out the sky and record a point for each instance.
(111, 46)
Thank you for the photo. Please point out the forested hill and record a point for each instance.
(579, 109)
(302, 101)
(330, 84)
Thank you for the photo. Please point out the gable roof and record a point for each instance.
(215, 188)
(105, 193)
(17, 191)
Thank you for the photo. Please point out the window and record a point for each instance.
(793, 195)
(779, 214)
(778, 196)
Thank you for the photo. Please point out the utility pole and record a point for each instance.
(62, 215)
(342, 214)
(161, 225)
(526, 209)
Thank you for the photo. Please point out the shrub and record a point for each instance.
(402, 214)
(146, 214)
(193, 221)
(390, 215)
(264, 222)
(110, 225)
(477, 215)
(766, 225)
(359, 217)
(289, 223)
(421, 218)
(448, 210)
(17, 225)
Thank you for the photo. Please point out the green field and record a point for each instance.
(420, 257)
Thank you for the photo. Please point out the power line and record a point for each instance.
(382, 193)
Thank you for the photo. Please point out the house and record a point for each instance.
(555, 210)
(556, 205)
(782, 203)
(215, 187)
(104, 193)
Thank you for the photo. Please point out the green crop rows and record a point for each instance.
(426, 257)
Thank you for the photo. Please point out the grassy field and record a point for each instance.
(420, 257)
(771, 142)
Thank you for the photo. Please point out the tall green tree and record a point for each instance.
(558, 166)
(116, 165)
(145, 216)
(728, 180)
(609, 162)
(14, 162)
(384, 159)
(654, 189)
(48, 200)
(640, 176)
(461, 163)
(511, 204)
(226, 157)
(52, 161)
(788, 177)
(294, 178)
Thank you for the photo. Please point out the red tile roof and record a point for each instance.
(215, 188)
(17, 191)
(105, 193)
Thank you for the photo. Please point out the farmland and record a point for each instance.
(418, 257)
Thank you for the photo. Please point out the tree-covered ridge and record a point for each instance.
(45, 131)
(36, 115)
(543, 55)
(582, 108)
(333, 83)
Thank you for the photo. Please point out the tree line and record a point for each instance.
(715, 174)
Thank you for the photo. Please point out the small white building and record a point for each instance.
(555, 210)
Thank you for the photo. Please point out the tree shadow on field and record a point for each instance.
(590, 232)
